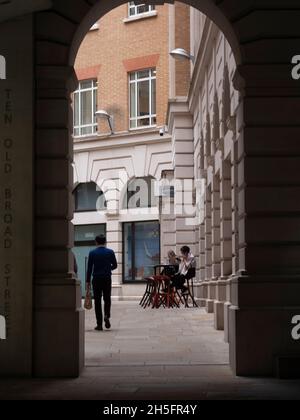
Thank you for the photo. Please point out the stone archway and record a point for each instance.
(265, 291)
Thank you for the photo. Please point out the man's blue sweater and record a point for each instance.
(101, 263)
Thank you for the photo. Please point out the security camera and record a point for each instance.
(163, 131)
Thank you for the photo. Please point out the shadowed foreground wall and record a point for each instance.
(265, 292)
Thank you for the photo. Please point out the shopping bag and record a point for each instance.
(88, 303)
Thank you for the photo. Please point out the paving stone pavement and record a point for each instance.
(155, 337)
(164, 354)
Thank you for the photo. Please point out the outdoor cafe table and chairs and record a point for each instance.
(160, 292)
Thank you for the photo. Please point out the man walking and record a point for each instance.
(102, 261)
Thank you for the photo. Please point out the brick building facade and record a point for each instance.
(119, 44)
(124, 42)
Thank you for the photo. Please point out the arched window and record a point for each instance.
(140, 193)
(88, 197)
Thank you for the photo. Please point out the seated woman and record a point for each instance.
(187, 269)
(172, 264)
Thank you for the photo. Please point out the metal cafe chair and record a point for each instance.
(159, 291)
(154, 290)
(188, 294)
(166, 295)
(149, 292)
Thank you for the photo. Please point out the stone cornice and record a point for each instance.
(210, 32)
(126, 139)
(176, 106)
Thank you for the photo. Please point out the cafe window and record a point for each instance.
(88, 197)
(141, 250)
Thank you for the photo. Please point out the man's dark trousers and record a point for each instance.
(102, 287)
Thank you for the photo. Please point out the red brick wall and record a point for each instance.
(117, 45)
(182, 40)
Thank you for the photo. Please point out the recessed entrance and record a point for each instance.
(144, 172)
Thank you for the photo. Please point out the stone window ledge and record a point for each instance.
(142, 16)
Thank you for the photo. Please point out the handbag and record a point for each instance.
(88, 302)
(169, 270)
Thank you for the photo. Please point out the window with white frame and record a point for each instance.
(142, 98)
(139, 9)
(85, 106)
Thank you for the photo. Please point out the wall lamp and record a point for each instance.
(105, 115)
(181, 54)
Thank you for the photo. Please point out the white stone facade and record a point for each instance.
(111, 167)
(204, 151)
(197, 156)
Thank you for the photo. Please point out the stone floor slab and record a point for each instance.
(153, 354)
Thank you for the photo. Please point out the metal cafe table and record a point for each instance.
(159, 291)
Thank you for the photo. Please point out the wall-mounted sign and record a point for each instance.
(2, 328)
(2, 67)
(296, 329)
(296, 68)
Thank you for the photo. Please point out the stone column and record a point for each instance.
(57, 306)
(167, 221)
(184, 223)
(266, 292)
(216, 250)
(197, 253)
(202, 251)
(181, 126)
(208, 250)
(235, 233)
(203, 286)
(115, 241)
(111, 190)
(225, 238)
(215, 243)
(226, 220)
(235, 209)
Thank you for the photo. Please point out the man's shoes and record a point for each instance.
(99, 328)
(107, 323)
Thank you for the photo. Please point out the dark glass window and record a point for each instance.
(88, 197)
(141, 250)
